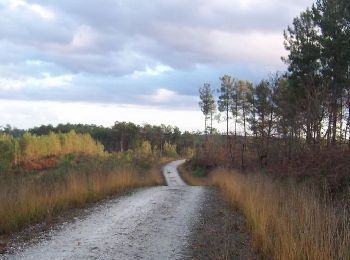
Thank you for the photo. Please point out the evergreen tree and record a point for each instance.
(302, 42)
(225, 100)
(332, 17)
(207, 105)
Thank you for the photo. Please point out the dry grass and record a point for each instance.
(30, 199)
(288, 221)
(191, 179)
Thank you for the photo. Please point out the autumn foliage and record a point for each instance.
(31, 150)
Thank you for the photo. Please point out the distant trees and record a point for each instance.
(262, 117)
(131, 140)
(123, 136)
(307, 107)
(207, 105)
(226, 98)
(29, 147)
(126, 135)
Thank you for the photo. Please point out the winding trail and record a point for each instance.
(151, 223)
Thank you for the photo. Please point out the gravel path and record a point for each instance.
(170, 222)
(153, 223)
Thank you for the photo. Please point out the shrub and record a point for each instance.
(32, 147)
(170, 150)
(187, 152)
(7, 153)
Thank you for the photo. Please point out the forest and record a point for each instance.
(295, 122)
(48, 170)
(285, 157)
(20, 147)
(282, 161)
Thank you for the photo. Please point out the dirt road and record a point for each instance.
(152, 223)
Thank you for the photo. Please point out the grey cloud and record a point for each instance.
(103, 42)
(173, 32)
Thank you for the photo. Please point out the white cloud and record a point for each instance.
(26, 114)
(45, 82)
(157, 70)
(163, 96)
(37, 9)
(219, 46)
(42, 11)
(84, 37)
(119, 51)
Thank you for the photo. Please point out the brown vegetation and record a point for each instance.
(40, 176)
(191, 178)
(31, 198)
(34, 152)
(288, 221)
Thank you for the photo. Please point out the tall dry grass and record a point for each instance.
(191, 179)
(30, 199)
(288, 221)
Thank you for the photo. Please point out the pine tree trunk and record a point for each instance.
(334, 122)
(121, 143)
(227, 122)
(349, 124)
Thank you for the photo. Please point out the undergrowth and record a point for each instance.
(32, 197)
(288, 220)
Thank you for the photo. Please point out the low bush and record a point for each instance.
(170, 150)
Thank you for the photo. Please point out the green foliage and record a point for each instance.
(200, 171)
(226, 99)
(7, 152)
(143, 156)
(123, 136)
(207, 104)
(144, 151)
(68, 160)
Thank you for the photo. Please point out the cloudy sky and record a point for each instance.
(87, 61)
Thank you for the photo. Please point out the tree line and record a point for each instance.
(306, 108)
(18, 150)
(122, 136)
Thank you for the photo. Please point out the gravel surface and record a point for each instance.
(170, 222)
(151, 223)
(220, 233)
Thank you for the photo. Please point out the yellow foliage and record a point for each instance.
(170, 150)
(188, 152)
(32, 147)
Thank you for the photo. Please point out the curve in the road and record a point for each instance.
(153, 223)
(171, 174)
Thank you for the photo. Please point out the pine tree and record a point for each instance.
(207, 105)
(226, 101)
